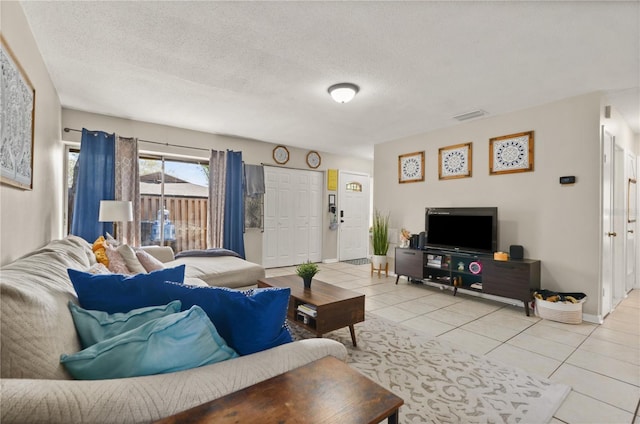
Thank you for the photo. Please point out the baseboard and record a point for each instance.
(329, 261)
(595, 319)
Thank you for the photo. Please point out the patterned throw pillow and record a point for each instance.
(117, 264)
(148, 261)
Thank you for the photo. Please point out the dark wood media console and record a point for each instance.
(513, 279)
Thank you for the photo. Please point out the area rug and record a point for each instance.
(442, 384)
(361, 261)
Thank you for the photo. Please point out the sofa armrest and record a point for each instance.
(161, 253)
(147, 399)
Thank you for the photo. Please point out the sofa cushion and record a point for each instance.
(222, 271)
(96, 326)
(35, 322)
(172, 343)
(249, 321)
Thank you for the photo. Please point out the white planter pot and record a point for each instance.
(379, 261)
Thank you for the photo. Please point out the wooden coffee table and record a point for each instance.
(324, 391)
(336, 307)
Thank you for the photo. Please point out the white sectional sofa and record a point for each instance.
(36, 327)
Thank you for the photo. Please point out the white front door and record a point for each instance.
(354, 196)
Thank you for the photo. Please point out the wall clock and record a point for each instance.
(313, 159)
(411, 167)
(281, 155)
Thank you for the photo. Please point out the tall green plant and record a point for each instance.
(380, 233)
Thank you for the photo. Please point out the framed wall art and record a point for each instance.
(454, 161)
(17, 106)
(411, 167)
(511, 153)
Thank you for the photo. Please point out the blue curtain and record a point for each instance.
(233, 238)
(95, 182)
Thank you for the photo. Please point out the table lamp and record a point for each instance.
(115, 211)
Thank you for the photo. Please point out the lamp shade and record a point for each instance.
(343, 92)
(115, 211)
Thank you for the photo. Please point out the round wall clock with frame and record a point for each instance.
(313, 159)
(281, 155)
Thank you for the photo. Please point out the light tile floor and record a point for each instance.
(600, 362)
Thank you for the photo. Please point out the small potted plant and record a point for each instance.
(307, 270)
(380, 239)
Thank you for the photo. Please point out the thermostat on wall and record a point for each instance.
(571, 179)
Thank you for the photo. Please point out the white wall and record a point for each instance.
(253, 152)
(29, 219)
(557, 224)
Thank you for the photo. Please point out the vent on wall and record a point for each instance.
(470, 115)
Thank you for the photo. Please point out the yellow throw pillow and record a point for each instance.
(100, 252)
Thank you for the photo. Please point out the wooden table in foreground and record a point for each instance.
(336, 307)
(324, 391)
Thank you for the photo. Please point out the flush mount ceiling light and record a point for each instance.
(343, 92)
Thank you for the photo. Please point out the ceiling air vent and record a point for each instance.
(470, 115)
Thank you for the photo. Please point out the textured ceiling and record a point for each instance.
(261, 69)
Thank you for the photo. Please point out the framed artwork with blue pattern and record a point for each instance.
(511, 153)
(411, 167)
(454, 161)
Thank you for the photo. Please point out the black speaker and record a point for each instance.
(422, 240)
(516, 251)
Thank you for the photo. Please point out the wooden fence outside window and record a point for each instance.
(189, 215)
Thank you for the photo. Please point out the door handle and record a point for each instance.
(630, 231)
(612, 234)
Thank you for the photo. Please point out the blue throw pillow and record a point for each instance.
(172, 343)
(96, 326)
(91, 288)
(249, 321)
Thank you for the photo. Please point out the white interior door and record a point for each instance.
(631, 215)
(316, 213)
(608, 233)
(619, 227)
(293, 217)
(354, 195)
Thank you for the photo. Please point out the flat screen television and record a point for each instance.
(473, 230)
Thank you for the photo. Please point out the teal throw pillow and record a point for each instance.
(172, 343)
(96, 326)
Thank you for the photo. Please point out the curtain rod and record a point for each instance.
(152, 142)
(289, 167)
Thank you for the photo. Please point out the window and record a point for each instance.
(354, 187)
(182, 188)
(174, 203)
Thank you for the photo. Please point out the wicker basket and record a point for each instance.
(566, 312)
